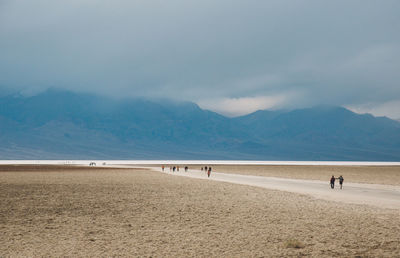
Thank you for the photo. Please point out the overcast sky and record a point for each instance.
(233, 57)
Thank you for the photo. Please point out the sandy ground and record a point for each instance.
(144, 213)
(389, 175)
(48, 168)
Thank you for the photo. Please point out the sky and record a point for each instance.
(233, 57)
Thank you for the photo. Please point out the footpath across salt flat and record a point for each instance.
(383, 196)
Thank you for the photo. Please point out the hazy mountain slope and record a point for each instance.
(327, 131)
(63, 123)
(58, 124)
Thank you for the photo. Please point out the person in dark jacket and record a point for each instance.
(333, 181)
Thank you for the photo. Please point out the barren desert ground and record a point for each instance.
(55, 211)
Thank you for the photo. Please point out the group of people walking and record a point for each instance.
(333, 179)
(176, 168)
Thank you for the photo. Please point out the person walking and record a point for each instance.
(341, 179)
(209, 172)
(333, 181)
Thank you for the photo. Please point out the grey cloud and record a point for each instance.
(335, 52)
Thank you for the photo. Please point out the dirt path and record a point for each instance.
(383, 196)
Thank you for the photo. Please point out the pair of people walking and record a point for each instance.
(208, 170)
(332, 181)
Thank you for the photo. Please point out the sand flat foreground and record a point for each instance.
(143, 213)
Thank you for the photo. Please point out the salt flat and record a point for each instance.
(199, 162)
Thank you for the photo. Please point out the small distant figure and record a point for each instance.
(333, 182)
(186, 169)
(205, 168)
(177, 168)
(162, 167)
(173, 169)
(209, 172)
(201, 168)
(341, 179)
(92, 164)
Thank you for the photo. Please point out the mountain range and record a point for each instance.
(58, 124)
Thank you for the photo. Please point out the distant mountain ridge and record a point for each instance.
(64, 125)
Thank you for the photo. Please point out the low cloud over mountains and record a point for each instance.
(65, 125)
